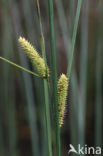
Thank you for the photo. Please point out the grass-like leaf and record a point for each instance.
(18, 66)
(45, 84)
(54, 75)
(74, 37)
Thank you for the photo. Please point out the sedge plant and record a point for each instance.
(60, 87)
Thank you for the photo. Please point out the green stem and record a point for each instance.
(45, 83)
(66, 33)
(54, 75)
(18, 66)
(39, 16)
(74, 37)
(46, 101)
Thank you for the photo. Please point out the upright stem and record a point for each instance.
(54, 75)
(74, 37)
(46, 101)
(66, 33)
(45, 83)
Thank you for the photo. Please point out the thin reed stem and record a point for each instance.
(67, 46)
(54, 75)
(18, 66)
(74, 37)
(45, 83)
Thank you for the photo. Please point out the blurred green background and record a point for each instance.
(22, 120)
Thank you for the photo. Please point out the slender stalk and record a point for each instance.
(18, 66)
(54, 75)
(45, 82)
(67, 46)
(74, 37)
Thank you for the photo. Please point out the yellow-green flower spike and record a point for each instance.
(37, 61)
(62, 88)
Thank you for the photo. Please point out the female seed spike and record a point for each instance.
(35, 58)
(62, 88)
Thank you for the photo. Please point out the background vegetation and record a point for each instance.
(22, 119)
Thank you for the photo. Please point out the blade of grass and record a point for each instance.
(18, 66)
(74, 37)
(47, 109)
(45, 81)
(44, 149)
(54, 75)
(67, 42)
(79, 4)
